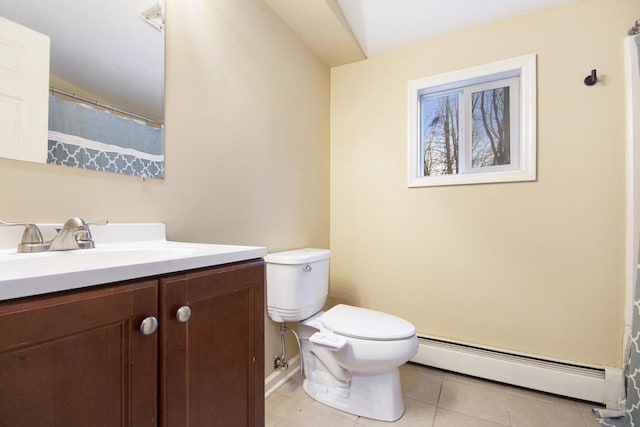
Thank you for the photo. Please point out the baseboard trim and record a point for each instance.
(590, 383)
(278, 377)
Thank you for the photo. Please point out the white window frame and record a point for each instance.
(520, 71)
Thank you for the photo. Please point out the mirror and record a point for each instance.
(106, 63)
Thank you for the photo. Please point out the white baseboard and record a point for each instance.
(278, 377)
(591, 383)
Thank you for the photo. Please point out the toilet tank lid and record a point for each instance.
(362, 323)
(298, 256)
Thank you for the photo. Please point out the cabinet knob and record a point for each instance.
(183, 314)
(149, 325)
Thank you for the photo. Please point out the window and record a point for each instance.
(473, 126)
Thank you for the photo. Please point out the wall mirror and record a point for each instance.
(106, 81)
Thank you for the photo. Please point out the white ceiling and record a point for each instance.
(384, 25)
(371, 27)
(101, 46)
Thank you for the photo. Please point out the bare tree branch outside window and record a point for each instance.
(440, 130)
(490, 131)
(490, 141)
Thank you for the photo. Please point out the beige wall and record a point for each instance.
(247, 137)
(531, 267)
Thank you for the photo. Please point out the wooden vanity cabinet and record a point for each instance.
(79, 358)
(212, 365)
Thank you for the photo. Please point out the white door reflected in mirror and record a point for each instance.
(24, 102)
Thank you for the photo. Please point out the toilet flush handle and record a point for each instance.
(307, 268)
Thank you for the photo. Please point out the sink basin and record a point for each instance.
(16, 265)
(26, 274)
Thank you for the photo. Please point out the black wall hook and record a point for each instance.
(590, 80)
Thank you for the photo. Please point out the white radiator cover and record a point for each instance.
(591, 383)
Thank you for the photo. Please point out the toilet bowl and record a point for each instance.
(376, 341)
(351, 355)
(356, 374)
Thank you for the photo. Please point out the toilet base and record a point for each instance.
(372, 396)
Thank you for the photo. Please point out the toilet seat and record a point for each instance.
(361, 323)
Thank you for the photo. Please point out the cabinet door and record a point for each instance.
(79, 359)
(212, 366)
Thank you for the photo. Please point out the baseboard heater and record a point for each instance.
(588, 383)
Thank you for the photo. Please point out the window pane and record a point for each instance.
(491, 130)
(439, 134)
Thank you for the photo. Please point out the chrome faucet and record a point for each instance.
(74, 234)
(32, 240)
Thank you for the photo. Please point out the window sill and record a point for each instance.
(472, 178)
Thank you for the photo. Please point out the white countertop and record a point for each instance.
(122, 252)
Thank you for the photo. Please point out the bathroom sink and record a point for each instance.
(16, 265)
(121, 253)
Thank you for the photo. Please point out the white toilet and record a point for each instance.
(351, 355)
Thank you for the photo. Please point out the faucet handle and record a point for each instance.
(32, 240)
(103, 222)
(83, 237)
(77, 222)
(86, 234)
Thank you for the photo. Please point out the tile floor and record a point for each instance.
(438, 398)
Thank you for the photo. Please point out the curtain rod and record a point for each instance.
(101, 105)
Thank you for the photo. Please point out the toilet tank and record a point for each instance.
(297, 283)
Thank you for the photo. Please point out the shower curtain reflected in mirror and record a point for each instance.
(90, 138)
